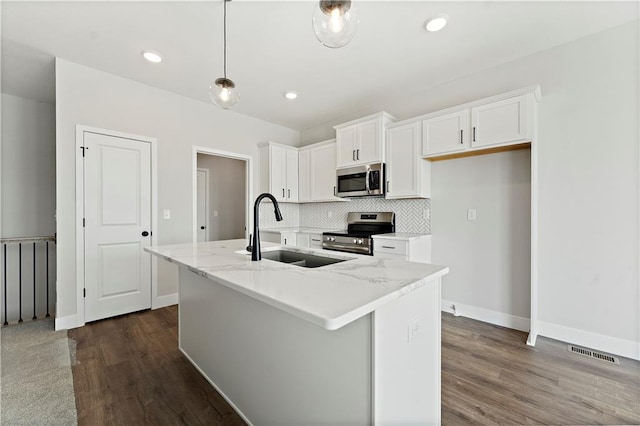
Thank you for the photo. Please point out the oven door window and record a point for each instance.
(352, 183)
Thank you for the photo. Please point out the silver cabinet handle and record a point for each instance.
(313, 239)
(461, 135)
(474, 134)
(285, 241)
(282, 192)
(388, 185)
(357, 154)
(389, 247)
(353, 155)
(334, 191)
(288, 193)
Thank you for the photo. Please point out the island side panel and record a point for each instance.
(273, 367)
(407, 358)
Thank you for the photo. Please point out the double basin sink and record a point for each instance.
(298, 258)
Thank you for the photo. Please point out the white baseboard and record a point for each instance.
(68, 322)
(487, 315)
(166, 300)
(612, 345)
(216, 388)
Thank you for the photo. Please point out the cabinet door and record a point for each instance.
(369, 142)
(302, 240)
(304, 175)
(288, 238)
(323, 166)
(346, 140)
(402, 161)
(315, 241)
(292, 175)
(448, 133)
(500, 123)
(278, 172)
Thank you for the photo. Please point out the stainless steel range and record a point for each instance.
(360, 227)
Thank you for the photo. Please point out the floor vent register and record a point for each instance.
(593, 354)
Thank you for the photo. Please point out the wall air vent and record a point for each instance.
(593, 354)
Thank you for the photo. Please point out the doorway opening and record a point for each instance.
(221, 195)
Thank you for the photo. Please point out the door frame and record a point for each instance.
(248, 159)
(206, 202)
(80, 258)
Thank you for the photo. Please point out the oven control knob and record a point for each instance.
(359, 240)
(332, 238)
(355, 241)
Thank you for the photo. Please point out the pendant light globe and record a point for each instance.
(223, 93)
(334, 22)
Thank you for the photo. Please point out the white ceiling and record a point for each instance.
(272, 48)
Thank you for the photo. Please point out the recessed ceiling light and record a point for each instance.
(152, 56)
(436, 23)
(290, 95)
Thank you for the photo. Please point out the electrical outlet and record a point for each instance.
(426, 214)
(414, 328)
(166, 214)
(471, 214)
(329, 215)
(215, 213)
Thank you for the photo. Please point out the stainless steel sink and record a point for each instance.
(306, 260)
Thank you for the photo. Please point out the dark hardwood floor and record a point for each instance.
(129, 371)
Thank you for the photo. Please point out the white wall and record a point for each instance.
(28, 167)
(489, 258)
(94, 98)
(28, 198)
(226, 196)
(589, 185)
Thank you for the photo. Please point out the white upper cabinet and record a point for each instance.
(361, 141)
(408, 175)
(447, 133)
(279, 171)
(317, 177)
(323, 169)
(502, 122)
(304, 176)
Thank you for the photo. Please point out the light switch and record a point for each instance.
(215, 213)
(166, 214)
(471, 214)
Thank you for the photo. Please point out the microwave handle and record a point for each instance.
(367, 184)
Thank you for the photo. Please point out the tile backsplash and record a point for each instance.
(409, 214)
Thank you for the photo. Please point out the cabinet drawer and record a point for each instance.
(389, 246)
(393, 256)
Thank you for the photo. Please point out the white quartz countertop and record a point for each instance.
(302, 230)
(331, 296)
(399, 236)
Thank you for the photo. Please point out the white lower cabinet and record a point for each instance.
(288, 238)
(409, 247)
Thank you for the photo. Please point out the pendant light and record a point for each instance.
(223, 91)
(334, 22)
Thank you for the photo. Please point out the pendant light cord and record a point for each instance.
(225, 38)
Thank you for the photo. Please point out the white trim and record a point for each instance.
(80, 130)
(533, 326)
(166, 300)
(207, 219)
(235, 408)
(248, 159)
(601, 342)
(486, 315)
(68, 322)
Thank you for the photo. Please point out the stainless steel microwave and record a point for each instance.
(360, 181)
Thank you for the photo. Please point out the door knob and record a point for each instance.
(202, 227)
(145, 233)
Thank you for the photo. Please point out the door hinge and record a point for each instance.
(84, 292)
(84, 222)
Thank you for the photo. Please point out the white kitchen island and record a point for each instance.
(356, 342)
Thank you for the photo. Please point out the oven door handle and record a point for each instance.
(367, 184)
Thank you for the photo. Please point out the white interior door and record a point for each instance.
(117, 194)
(203, 198)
